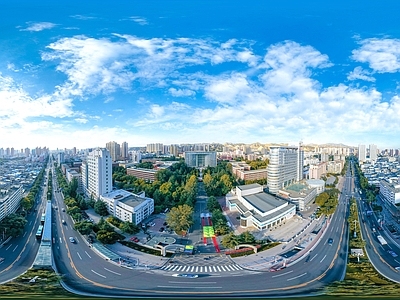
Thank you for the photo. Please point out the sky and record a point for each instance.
(83, 73)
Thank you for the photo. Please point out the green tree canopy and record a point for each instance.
(84, 227)
(180, 218)
(100, 208)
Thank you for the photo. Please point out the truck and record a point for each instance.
(381, 240)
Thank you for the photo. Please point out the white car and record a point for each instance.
(71, 239)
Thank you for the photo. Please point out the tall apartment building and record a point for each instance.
(115, 150)
(285, 167)
(97, 173)
(124, 150)
(373, 153)
(174, 150)
(155, 148)
(362, 153)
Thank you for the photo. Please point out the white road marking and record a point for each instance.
(112, 271)
(313, 257)
(282, 274)
(15, 248)
(8, 247)
(189, 287)
(30, 223)
(322, 259)
(297, 276)
(88, 254)
(24, 234)
(98, 274)
(79, 255)
(60, 241)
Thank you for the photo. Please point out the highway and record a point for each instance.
(378, 254)
(20, 252)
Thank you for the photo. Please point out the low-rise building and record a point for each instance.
(257, 208)
(10, 199)
(141, 173)
(302, 194)
(389, 190)
(127, 206)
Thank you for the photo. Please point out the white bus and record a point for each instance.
(381, 240)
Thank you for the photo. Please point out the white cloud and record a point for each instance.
(140, 20)
(81, 120)
(382, 55)
(181, 92)
(39, 26)
(360, 73)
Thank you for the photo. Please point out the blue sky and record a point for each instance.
(82, 74)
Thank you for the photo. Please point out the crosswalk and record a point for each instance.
(202, 269)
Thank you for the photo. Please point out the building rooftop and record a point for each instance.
(264, 202)
(248, 186)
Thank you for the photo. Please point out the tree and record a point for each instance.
(230, 240)
(100, 208)
(247, 238)
(213, 204)
(74, 210)
(129, 227)
(84, 227)
(180, 218)
(107, 237)
(13, 225)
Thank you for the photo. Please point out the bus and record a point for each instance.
(39, 232)
(381, 240)
(42, 219)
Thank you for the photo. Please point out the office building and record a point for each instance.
(127, 206)
(257, 208)
(141, 173)
(389, 190)
(285, 167)
(97, 173)
(201, 159)
(124, 151)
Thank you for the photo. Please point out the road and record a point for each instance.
(86, 272)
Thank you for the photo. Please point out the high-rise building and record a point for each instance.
(362, 153)
(155, 148)
(285, 167)
(201, 159)
(97, 173)
(174, 150)
(124, 150)
(373, 153)
(114, 149)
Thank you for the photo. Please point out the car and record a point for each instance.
(186, 275)
(165, 223)
(63, 209)
(330, 241)
(397, 268)
(63, 221)
(153, 224)
(71, 239)
(161, 229)
(380, 228)
(392, 253)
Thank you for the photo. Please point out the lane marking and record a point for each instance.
(88, 254)
(314, 257)
(98, 274)
(79, 255)
(282, 274)
(189, 287)
(322, 259)
(112, 271)
(15, 248)
(297, 276)
(8, 247)
(24, 234)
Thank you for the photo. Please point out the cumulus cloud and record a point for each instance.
(382, 55)
(361, 74)
(39, 26)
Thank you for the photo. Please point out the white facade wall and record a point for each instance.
(98, 175)
(10, 200)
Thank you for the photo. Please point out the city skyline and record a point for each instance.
(83, 74)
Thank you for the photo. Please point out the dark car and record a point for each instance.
(161, 229)
(330, 241)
